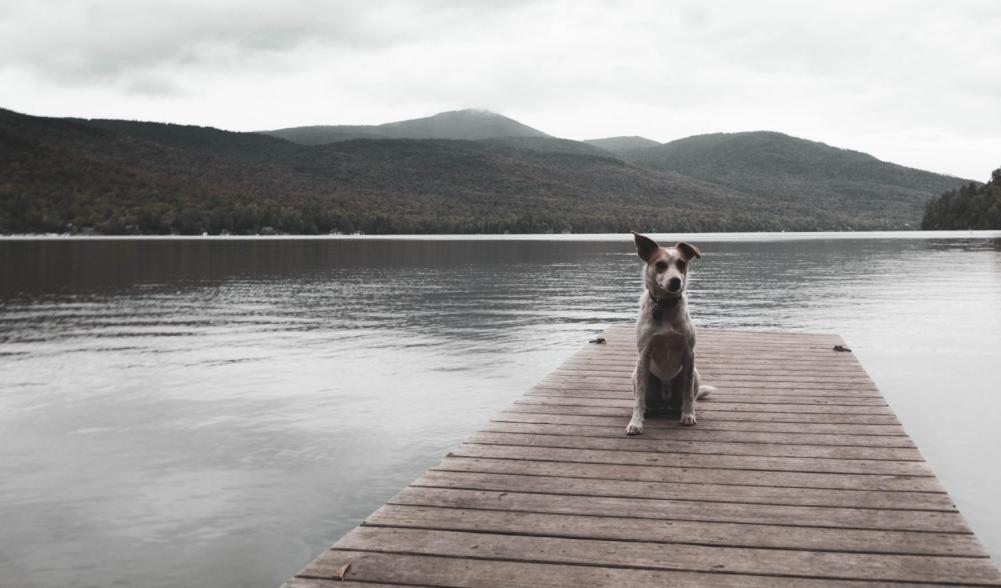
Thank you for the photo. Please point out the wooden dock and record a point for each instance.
(797, 474)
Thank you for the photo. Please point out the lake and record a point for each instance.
(217, 411)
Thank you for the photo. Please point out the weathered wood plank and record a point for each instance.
(642, 473)
(707, 412)
(727, 360)
(706, 423)
(742, 383)
(297, 582)
(712, 405)
(649, 458)
(591, 373)
(648, 443)
(614, 345)
(708, 346)
(620, 335)
(730, 359)
(698, 434)
(657, 509)
(730, 493)
(581, 526)
(753, 342)
(749, 392)
(720, 402)
(458, 572)
(720, 368)
(804, 564)
(721, 397)
(616, 337)
(726, 366)
(721, 363)
(772, 369)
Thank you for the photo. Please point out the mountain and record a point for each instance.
(622, 145)
(125, 177)
(114, 176)
(469, 125)
(790, 169)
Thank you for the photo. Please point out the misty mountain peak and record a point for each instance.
(470, 124)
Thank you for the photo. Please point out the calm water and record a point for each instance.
(216, 412)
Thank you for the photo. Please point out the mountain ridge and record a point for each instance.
(127, 176)
(467, 124)
(774, 163)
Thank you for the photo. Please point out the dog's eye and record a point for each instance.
(681, 265)
(661, 266)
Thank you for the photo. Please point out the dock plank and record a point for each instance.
(721, 397)
(682, 475)
(707, 410)
(638, 456)
(698, 558)
(717, 406)
(453, 572)
(503, 424)
(708, 423)
(688, 532)
(949, 523)
(675, 445)
(798, 473)
(731, 492)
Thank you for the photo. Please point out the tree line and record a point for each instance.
(971, 207)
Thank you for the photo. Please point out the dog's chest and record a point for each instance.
(667, 353)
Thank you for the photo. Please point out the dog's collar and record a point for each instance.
(660, 305)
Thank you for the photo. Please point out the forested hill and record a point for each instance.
(783, 167)
(972, 206)
(137, 177)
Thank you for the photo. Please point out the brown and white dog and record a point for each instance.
(665, 335)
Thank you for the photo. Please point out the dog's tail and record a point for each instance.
(704, 391)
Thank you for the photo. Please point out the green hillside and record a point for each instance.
(154, 178)
(790, 169)
(138, 177)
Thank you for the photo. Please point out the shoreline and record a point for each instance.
(712, 236)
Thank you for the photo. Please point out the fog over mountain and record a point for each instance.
(622, 144)
(469, 124)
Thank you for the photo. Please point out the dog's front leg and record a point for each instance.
(687, 386)
(641, 377)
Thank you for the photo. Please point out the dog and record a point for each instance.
(665, 335)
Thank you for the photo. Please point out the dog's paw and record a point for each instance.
(687, 420)
(634, 429)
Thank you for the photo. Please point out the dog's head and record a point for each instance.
(666, 271)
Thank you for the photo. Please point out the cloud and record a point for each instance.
(93, 42)
(892, 77)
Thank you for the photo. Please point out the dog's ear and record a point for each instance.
(645, 246)
(688, 251)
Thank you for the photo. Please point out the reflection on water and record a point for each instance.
(224, 409)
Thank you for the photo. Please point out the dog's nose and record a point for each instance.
(674, 284)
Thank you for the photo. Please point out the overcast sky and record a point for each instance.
(917, 83)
